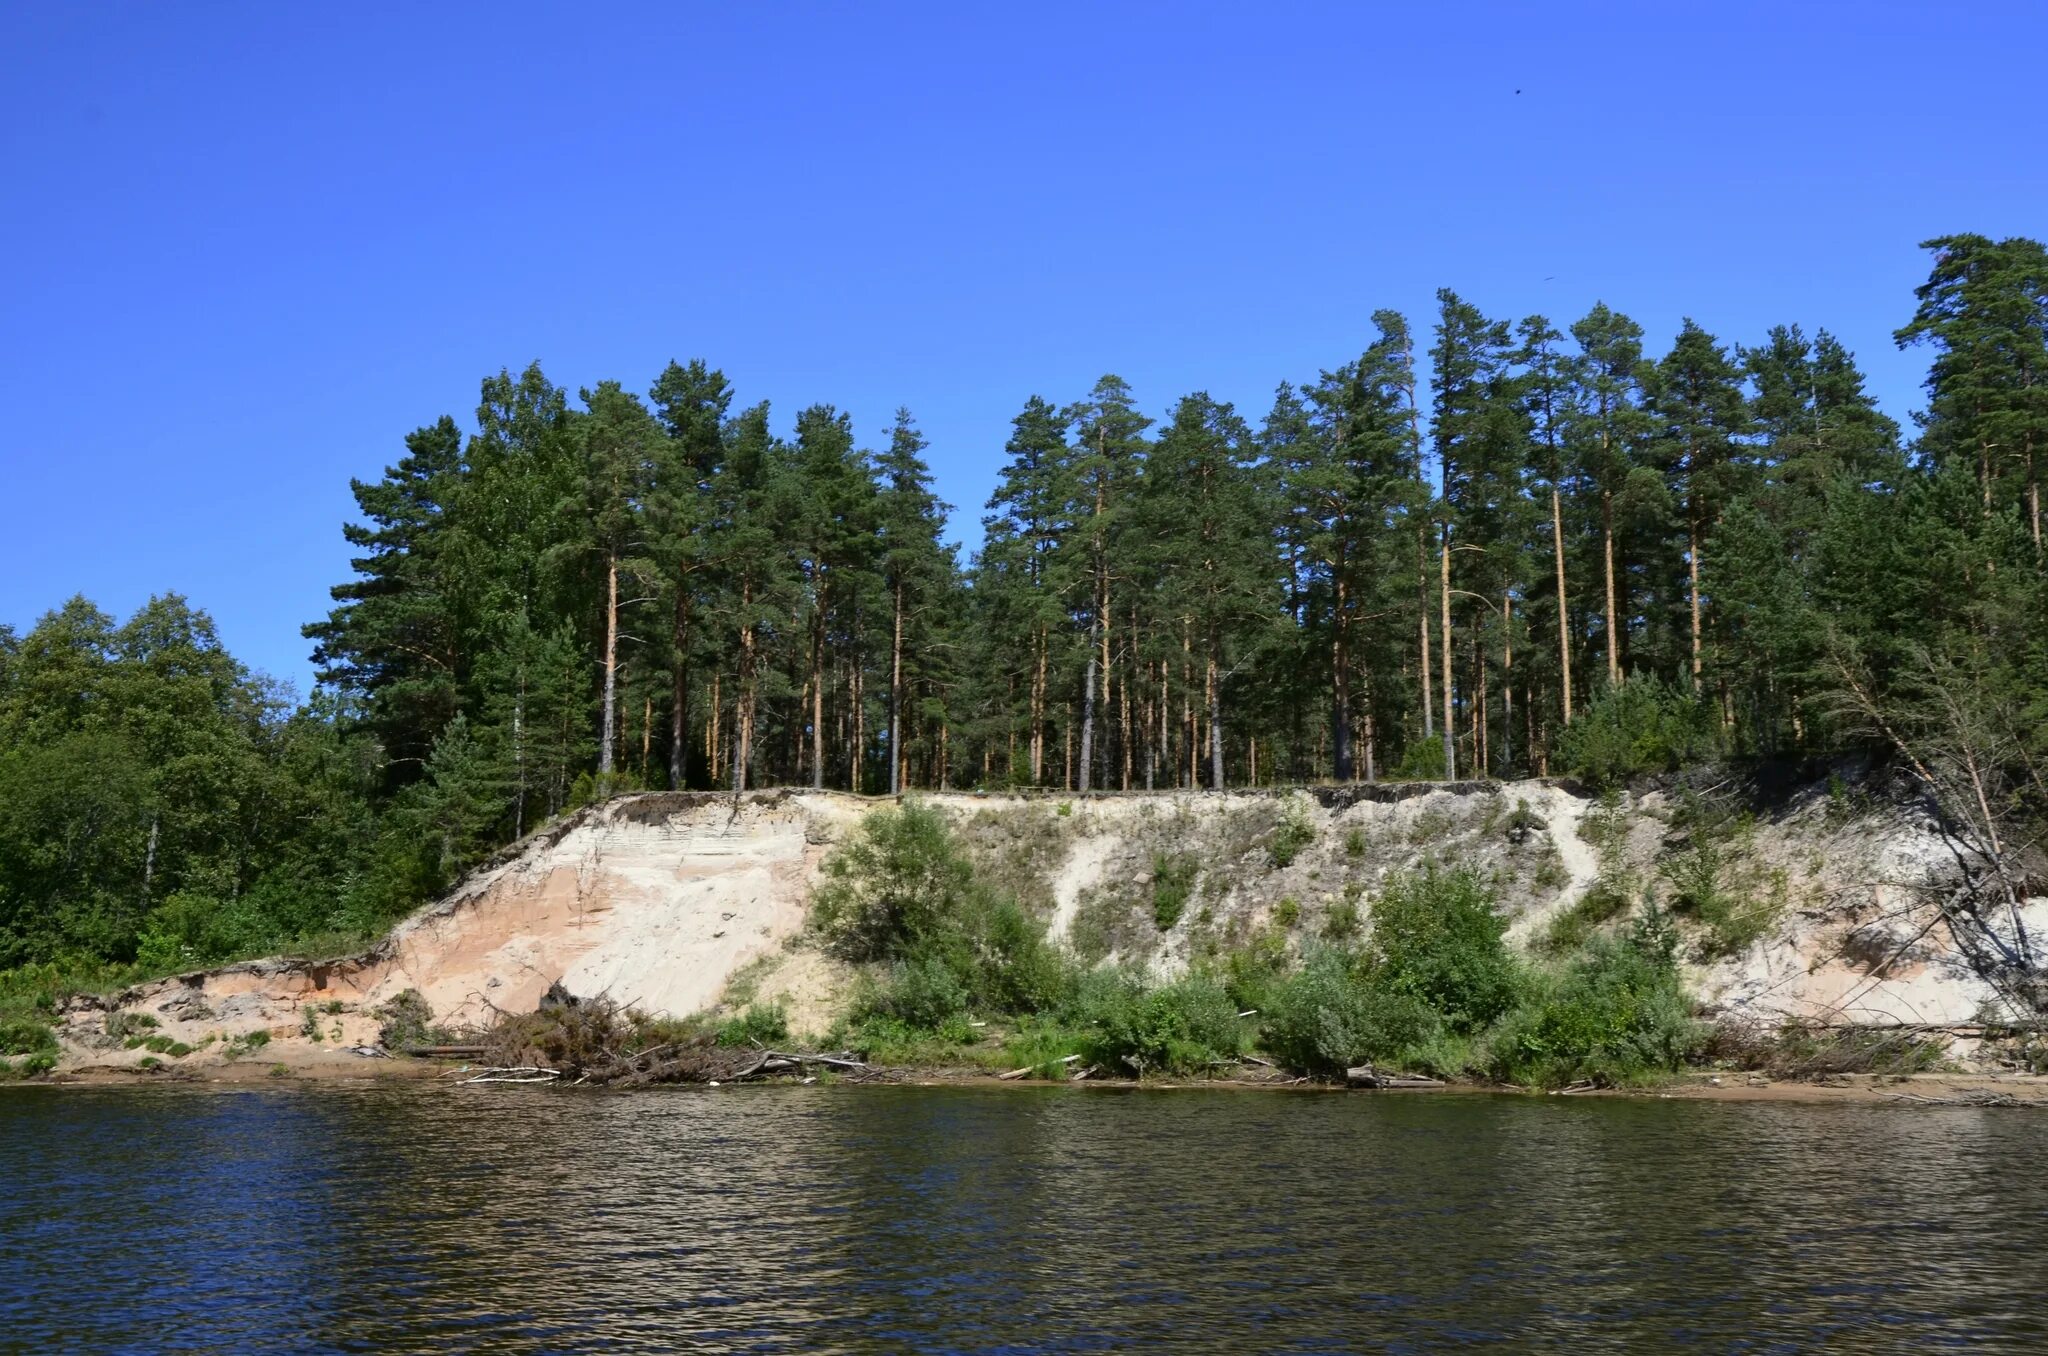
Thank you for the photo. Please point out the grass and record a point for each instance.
(1173, 880)
(1571, 927)
(1294, 832)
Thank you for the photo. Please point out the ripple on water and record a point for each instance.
(410, 1218)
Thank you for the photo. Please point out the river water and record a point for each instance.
(407, 1217)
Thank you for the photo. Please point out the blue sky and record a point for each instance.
(248, 247)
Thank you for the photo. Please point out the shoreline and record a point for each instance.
(1918, 1089)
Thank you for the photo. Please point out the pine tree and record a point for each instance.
(1704, 415)
(1220, 583)
(691, 403)
(1610, 433)
(620, 446)
(915, 564)
(1019, 564)
(1984, 309)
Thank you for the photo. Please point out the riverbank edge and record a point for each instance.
(1919, 1089)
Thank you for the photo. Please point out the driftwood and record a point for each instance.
(1973, 1097)
(1365, 1076)
(1019, 1073)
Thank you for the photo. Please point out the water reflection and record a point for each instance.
(904, 1219)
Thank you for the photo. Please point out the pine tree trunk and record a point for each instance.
(1564, 630)
(1613, 612)
(817, 694)
(1422, 622)
(896, 699)
(1450, 741)
(679, 694)
(1214, 682)
(1507, 682)
(858, 780)
(519, 752)
(744, 716)
(713, 763)
(1038, 714)
(1340, 682)
(1130, 662)
(1693, 572)
(1371, 765)
(1088, 708)
(611, 666)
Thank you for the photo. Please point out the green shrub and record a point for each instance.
(1342, 921)
(899, 879)
(762, 1024)
(1639, 725)
(1173, 879)
(26, 1036)
(921, 993)
(1422, 761)
(406, 1020)
(1571, 926)
(120, 1026)
(1437, 939)
(1334, 1013)
(1616, 1014)
(1523, 821)
(1354, 843)
(1702, 888)
(1287, 912)
(1182, 1027)
(1294, 832)
(1253, 972)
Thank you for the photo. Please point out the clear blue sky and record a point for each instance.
(248, 247)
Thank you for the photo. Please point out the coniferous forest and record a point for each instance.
(1482, 546)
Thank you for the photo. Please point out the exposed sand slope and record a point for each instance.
(660, 900)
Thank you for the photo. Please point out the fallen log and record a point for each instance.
(1365, 1076)
(1019, 1073)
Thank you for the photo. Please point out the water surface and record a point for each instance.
(437, 1218)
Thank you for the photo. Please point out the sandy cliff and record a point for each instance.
(659, 900)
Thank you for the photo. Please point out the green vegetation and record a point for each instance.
(598, 590)
(1430, 985)
(1614, 1014)
(762, 1024)
(1173, 879)
(244, 1045)
(1638, 726)
(406, 1020)
(1294, 832)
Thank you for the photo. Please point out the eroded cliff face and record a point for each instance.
(660, 900)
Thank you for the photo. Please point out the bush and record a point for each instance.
(26, 1036)
(120, 1026)
(900, 878)
(1173, 879)
(1700, 889)
(1183, 1027)
(1294, 832)
(1616, 1014)
(406, 1021)
(1437, 939)
(922, 993)
(1571, 926)
(1639, 725)
(902, 892)
(1333, 1014)
(1254, 972)
(762, 1024)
